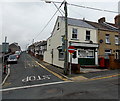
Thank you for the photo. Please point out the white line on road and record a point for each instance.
(6, 76)
(32, 86)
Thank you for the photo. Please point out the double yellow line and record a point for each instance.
(51, 72)
(104, 77)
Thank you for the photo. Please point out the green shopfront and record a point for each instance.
(87, 54)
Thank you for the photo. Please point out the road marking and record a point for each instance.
(32, 86)
(51, 72)
(6, 84)
(79, 78)
(36, 78)
(6, 76)
(104, 77)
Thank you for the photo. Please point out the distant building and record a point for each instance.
(14, 47)
(37, 49)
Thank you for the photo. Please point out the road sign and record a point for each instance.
(71, 49)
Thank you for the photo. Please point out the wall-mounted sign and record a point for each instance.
(101, 41)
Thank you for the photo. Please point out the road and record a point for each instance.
(28, 80)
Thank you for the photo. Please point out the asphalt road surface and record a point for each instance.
(28, 80)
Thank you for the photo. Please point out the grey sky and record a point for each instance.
(22, 21)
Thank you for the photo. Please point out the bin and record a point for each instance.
(102, 62)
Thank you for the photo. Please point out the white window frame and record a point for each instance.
(107, 38)
(75, 33)
(107, 53)
(87, 36)
(85, 53)
(59, 53)
(116, 39)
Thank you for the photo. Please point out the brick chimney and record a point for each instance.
(117, 20)
(101, 20)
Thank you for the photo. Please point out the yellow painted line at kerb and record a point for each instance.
(52, 72)
(104, 77)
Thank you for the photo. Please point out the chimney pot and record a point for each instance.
(117, 20)
(101, 20)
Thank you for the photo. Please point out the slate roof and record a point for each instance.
(78, 22)
(41, 43)
(103, 26)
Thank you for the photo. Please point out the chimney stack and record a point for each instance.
(117, 21)
(101, 20)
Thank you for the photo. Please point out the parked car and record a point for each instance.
(18, 53)
(18, 56)
(12, 59)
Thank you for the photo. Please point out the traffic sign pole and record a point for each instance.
(71, 50)
(70, 63)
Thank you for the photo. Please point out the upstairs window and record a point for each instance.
(107, 38)
(116, 40)
(87, 35)
(74, 33)
(58, 26)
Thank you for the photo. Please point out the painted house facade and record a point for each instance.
(108, 38)
(81, 35)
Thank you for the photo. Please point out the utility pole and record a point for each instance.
(66, 40)
(4, 66)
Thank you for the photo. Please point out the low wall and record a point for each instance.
(113, 64)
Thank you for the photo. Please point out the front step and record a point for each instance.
(89, 66)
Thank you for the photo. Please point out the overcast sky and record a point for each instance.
(22, 20)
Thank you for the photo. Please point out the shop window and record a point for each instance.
(82, 53)
(90, 53)
(86, 53)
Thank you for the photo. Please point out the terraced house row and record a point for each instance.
(93, 42)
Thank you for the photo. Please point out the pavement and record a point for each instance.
(85, 73)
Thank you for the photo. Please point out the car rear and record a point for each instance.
(12, 59)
